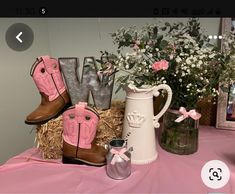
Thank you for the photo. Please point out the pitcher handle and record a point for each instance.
(167, 104)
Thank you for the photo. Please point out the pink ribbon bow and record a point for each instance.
(117, 154)
(185, 114)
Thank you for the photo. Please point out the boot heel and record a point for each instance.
(67, 160)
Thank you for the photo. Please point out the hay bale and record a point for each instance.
(49, 135)
(110, 124)
(49, 138)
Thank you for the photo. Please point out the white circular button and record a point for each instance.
(215, 174)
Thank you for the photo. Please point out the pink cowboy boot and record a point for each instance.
(79, 130)
(54, 97)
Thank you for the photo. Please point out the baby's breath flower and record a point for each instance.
(178, 59)
(188, 61)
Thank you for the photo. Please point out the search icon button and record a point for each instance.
(215, 174)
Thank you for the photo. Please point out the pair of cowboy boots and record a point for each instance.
(79, 121)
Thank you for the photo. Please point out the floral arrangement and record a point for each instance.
(178, 54)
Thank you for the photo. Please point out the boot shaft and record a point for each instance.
(80, 125)
(47, 77)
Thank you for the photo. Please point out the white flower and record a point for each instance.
(211, 56)
(144, 63)
(178, 59)
(188, 61)
(142, 50)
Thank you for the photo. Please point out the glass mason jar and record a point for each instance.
(179, 138)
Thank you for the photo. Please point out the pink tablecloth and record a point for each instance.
(170, 173)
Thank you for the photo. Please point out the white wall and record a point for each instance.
(18, 94)
(58, 37)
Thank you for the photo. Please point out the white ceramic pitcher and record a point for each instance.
(140, 123)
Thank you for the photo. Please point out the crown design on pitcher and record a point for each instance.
(135, 119)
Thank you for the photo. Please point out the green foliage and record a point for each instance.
(195, 66)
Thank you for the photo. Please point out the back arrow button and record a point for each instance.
(18, 37)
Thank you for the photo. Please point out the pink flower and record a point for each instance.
(150, 42)
(137, 42)
(136, 47)
(160, 65)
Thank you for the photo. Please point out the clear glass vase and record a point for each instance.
(179, 138)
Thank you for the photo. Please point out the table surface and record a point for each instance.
(169, 173)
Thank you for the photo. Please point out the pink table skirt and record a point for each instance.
(170, 173)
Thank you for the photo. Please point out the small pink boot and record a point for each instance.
(54, 97)
(79, 130)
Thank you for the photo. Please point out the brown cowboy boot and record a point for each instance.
(54, 96)
(79, 130)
